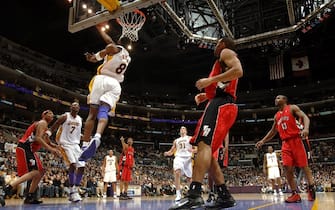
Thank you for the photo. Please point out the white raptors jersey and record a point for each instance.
(271, 160)
(116, 65)
(110, 163)
(183, 147)
(70, 131)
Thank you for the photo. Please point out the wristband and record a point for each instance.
(48, 132)
(97, 56)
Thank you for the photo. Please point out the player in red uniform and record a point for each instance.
(213, 126)
(29, 165)
(293, 151)
(125, 166)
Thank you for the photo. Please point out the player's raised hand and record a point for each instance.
(122, 138)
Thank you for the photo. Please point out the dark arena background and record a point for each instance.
(285, 47)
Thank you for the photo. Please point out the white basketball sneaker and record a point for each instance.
(178, 196)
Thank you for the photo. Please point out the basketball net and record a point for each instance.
(131, 23)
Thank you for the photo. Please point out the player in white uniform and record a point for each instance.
(271, 166)
(68, 136)
(110, 168)
(104, 88)
(182, 163)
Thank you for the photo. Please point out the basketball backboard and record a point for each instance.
(86, 13)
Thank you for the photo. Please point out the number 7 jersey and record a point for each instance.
(70, 131)
(115, 65)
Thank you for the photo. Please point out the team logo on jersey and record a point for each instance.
(206, 130)
(32, 162)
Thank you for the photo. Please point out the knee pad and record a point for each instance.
(103, 112)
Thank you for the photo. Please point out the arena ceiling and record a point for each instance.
(166, 55)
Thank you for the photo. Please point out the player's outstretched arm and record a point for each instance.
(57, 123)
(104, 35)
(272, 132)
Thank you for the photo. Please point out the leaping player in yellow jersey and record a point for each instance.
(182, 163)
(104, 89)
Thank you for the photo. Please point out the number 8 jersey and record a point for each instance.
(115, 65)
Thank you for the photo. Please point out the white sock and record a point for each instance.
(178, 193)
(97, 137)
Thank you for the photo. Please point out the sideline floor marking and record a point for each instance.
(261, 206)
(315, 205)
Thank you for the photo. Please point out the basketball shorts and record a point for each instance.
(273, 173)
(218, 117)
(110, 176)
(71, 154)
(294, 153)
(184, 164)
(104, 89)
(27, 160)
(125, 173)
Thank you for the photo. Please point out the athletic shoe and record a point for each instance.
(104, 195)
(90, 150)
(281, 193)
(275, 193)
(189, 202)
(294, 198)
(115, 196)
(211, 197)
(2, 201)
(75, 197)
(178, 197)
(8, 191)
(30, 200)
(127, 197)
(122, 197)
(311, 193)
(223, 201)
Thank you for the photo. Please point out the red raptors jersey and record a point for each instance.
(211, 89)
(29, 138)
(286, 124)
(128, 156)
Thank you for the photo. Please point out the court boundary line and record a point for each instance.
(315, 205)
(262, 206)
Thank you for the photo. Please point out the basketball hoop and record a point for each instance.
(131, 23)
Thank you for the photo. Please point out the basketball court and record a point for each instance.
(250, 201)
(131, 19)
